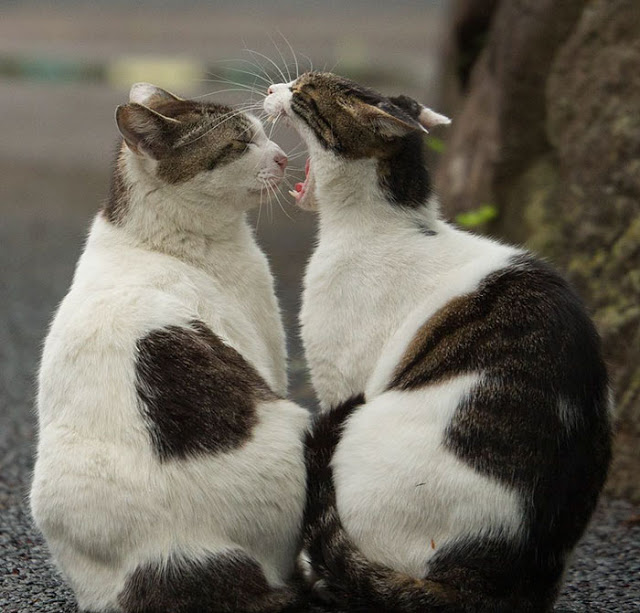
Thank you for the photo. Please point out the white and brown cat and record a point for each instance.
(465, 430)
(170, 467)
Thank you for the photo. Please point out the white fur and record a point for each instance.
(428, 118)
(401, 495)
(372, 281)
(100, 496)
(143, 93)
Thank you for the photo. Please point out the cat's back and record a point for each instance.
(147, 381)
(118, 293)
(498, 400)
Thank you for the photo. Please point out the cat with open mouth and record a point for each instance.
(464, 434)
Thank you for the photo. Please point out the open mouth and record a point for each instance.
(302, 192)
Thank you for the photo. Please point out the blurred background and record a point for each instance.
(544, 150)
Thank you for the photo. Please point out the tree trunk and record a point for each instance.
(548, 133)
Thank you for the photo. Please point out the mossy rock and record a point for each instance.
(550, 133)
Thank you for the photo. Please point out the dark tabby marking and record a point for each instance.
(208, 137)
(528, 333)
(426, 230)
(320, 444)
(117, 204)
(197, 394)
(229, 583)
(335, 109)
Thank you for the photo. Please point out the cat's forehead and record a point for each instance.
(332, 85)
(208, 116)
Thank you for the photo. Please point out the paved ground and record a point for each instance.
(57, 141)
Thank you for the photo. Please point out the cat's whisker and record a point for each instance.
(297, 146)
(254, 62)
(295, 156)
(239, 86)
(269, 206)
(265, 73)
(215, 78)
(333, 68)
(245, 130)
(306, 57)
(262, 78)
(298, 150)
(278, 193)
(293, 53)
(284, 78)
(223, 91)
(284, 62)
(273, 126)
(228, 117)
(259, 208)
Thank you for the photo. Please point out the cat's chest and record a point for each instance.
(351, 305)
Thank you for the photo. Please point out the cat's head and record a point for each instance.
(203, 148)
(342, 119)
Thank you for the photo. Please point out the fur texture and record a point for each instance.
(464, 435)
(170, 472)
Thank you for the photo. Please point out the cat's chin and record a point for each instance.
(304, 193)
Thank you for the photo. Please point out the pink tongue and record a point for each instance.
(299, 186)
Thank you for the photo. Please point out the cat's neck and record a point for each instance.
(351, 202)
(161, 218)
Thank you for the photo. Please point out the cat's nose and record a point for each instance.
(270, 90)
(281, 160)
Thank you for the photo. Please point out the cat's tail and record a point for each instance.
(345, 575)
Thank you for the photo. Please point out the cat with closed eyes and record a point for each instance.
(170, 467)
(464, 434)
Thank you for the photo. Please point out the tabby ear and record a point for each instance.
(148, 95)
(145, 131)
(426, 117)
(379, 120)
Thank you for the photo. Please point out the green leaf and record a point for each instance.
(436, 144)
(472, 219)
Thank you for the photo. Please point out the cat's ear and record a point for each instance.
(148, 95)
(380, 120)
(426, 117)
(145, 131)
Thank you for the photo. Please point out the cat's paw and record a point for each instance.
(323, 592)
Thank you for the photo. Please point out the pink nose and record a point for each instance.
(281, 160)
(270, 90)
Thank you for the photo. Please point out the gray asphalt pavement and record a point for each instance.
(54, 161)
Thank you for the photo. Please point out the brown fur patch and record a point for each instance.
(228, 583)
(116, 207)
(209, 135)
(197, 394)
